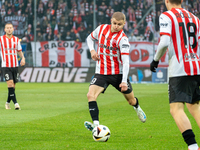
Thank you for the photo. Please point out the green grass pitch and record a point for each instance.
(52, 117)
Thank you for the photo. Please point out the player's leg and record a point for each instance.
(129, 96)
(194, 110)
(11, 79)
(181, 90)
(133, 101)
(97, 86)
(183, 123)
(92, 95)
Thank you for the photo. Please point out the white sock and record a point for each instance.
(193, 147)
(16, 104)
(96, 122)
(7, 103)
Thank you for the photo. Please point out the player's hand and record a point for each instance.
(154, 65)
(94, 55)
(22, 63)
(123, 86)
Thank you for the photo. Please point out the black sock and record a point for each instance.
(94, 111)
(8, 99)
(189, 137)
(12, 95)
(137, 103)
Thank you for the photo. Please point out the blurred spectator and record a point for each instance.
(103, 6)
(148, 36)
(9, 12)
(16, 5)
(39, 37)
(100, 17)
(49, 35)
(109, 13)
(38, 28)
(68, 36)
(116, 6)
(77, 21)
(132, 38)
(57, 37)
(40, 12)
(82, 34)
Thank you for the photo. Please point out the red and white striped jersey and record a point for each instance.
(9, 48)
(111, 45)
(184, 29)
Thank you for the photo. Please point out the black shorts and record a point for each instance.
(11, 74)
(114, 80)
(184, 89)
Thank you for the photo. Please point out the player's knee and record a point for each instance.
(172, 111)
(10, 84)
(91, 97)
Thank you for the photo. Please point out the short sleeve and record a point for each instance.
(165, 25)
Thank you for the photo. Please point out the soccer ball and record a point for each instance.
(101, 133)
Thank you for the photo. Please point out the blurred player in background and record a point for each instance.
(180, 32)
(112, 66)
(10, 46)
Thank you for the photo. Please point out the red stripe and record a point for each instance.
(6, 51)
(183, 49)
(108, 59)
(101, 49)
(163, 33)
(124, 53)
(2, 49)
(77, 54)
(61, 54)
(193, 50)
(115, 59)
(15, 56)
(173, 35)
(45, 55)
(92, 36)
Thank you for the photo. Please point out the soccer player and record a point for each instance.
(180, 32)
(10, 46)
(112, 66)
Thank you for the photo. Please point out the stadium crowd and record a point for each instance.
(72, 19)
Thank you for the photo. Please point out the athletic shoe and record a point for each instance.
(7, 105)
(141, 114)
(89, 125)
(198, 149)
(17, 107)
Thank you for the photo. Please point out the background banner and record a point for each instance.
(75, 74)
(60, 54)
(142, 53)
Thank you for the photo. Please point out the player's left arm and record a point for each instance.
(124, 46)
(20, 53)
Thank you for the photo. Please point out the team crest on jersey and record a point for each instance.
(114, 43)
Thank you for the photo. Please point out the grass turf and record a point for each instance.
(53, 114)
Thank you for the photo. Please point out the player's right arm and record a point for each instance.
(91, 41)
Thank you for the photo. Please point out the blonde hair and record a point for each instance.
(8, 24)
(119, 16)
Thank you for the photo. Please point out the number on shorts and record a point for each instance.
(93, 80)
(7, 76)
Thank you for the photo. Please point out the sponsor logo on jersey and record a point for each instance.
(125, 46)
(190, 57)
(163, 24)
